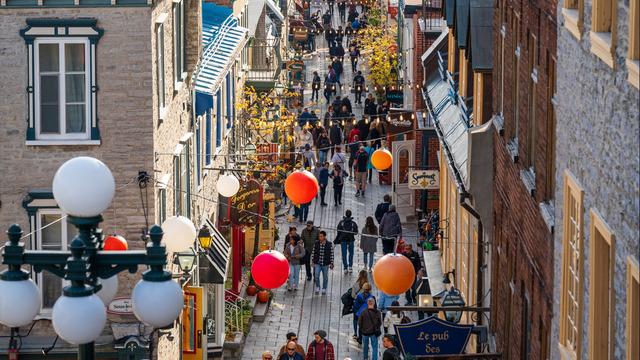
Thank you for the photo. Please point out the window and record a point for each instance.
(62, 88)
(54, 233)
(531, 131)
(515, 126)
(572, 266)
(160, 70)
(62, 84)
(550, 183)
(633, 57)
(229, 95)
(573, 13)
(603, 29)
(178, 42)
(633, 310)
(181, 180)
(218, 118)
(177, 186)
(162, 205)
(526, 325)
(601, 291)
(207, 142)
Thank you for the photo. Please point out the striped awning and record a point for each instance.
(222, 41)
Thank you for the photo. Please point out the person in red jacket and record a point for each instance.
(352, 134)
(320, 348)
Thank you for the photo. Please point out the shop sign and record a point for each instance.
(424, 179)
(395, 96)
(433, 336)
(247, 203)
(120, 306)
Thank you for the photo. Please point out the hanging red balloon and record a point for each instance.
(270, 269)
(115, 243)
(393, 274)
(301, 187)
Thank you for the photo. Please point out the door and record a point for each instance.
(403, 159)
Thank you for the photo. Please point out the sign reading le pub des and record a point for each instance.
(433, 336)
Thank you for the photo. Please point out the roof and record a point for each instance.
(450, 12)
(480, 41)
(222, 40)
(462, 22)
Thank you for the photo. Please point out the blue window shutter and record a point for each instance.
(198, 153)
(229, 96)
(208, 138)
(218, 118)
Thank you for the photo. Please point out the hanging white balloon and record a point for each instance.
(179, 233)
(228, 185)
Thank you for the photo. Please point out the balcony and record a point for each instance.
(265, 62)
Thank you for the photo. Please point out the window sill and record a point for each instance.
(601, 46)
(528, 178)
(571, 20)
(162, 113)
(61, 142)
(498, 123)
(634, 74)
(547, 210)
(512, 149)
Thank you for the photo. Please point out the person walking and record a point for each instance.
(294, 252)
(370, 323)
(315, 87)
(357, 289)
(335, 136)
(342, 9)
(383, 207)
(303, 213)
(410, 295)
(339, 159)
(370, 106)
(347, 230)
(369, 242)
(358, 84)
(309, 236)
(291, 337)
(393, 317)
(338, 184)
(323, 181)
(354, 54)
(320, 348)
(361, 165)
(391, 352)
(291, 352)
(293, 233)
(359, 305)
(322, 258)
(267, 355)
(308, 157)
(354, 145)
(323, 145)
(385, 300)
(390, 229)
(375, 136)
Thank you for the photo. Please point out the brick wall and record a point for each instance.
(522, 268)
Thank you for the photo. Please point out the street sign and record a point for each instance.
(433, 336)
(120, 306)
(424, 179)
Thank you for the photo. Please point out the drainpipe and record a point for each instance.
(480, 250)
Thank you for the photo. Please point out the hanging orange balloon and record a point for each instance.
(115, 243)
(393, 274)
(381, 159)
(301, 187)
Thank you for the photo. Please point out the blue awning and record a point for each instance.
(222, 40)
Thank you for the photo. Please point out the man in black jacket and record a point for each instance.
(414, 257)
(322, 259)
(391, 352)
(347, 231)
(370, 323)
(335, 136)
(370, 106)
(383, 207)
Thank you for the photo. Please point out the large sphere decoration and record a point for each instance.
(381, 159)
(19, 302)
(109, 289)
(83, 187)
(393, 274)
(79, 320)
(115, 243)
(263, 296)
(179, 233)
(270, 269)
(301, 187)
(228, 185)
(157, 303)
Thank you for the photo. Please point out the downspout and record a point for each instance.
(480, 250)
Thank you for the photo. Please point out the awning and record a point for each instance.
(450, 12)
(480, 42)
(438, 44)
(455, 135)
(462, 22)
(214, 262)
(222, 41)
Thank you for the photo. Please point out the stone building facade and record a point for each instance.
(132, 108)
(524, 43)
(597, 172)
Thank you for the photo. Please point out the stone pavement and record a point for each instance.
(301, 311)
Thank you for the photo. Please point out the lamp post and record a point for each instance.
(83, 188)
(453, 298)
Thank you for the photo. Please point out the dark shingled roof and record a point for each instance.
(480, 42)
(450, 12)
(462, 23)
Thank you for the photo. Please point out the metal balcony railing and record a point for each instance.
(265, 59)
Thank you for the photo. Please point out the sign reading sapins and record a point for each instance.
(424, 179)
(246, 205)
(433, 336)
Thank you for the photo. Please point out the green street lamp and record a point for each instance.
(83, 188)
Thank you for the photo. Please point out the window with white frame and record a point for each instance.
(53, 233)
(61, 83)
(160, 88)
(179, 67)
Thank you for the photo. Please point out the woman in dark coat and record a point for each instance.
(338, 184)
(369, 242)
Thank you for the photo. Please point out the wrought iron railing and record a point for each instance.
(265, 59)
(234, 307)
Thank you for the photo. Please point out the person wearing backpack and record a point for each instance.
(315, 88)
(347, 230)
(359, 305)
(358, 82)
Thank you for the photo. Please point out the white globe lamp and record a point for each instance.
(109, 289)
(157, 303)
(19, 302)
(83, 187)
(79, 320)
(179, 233)
(228, 185)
